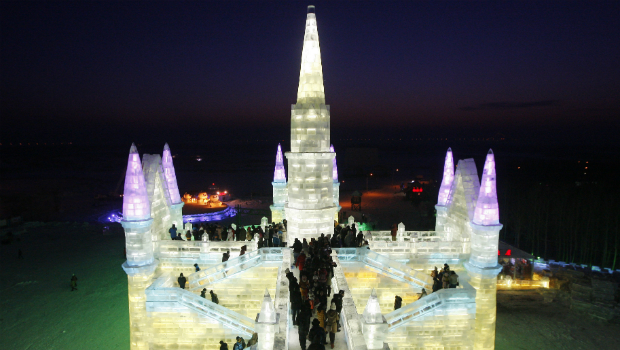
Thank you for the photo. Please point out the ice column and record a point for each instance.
(374, 325)
(279, 188)
(172, 188)
(482, 265)
(266, 324)
(310, 209)
(264, 222)
(444, 194)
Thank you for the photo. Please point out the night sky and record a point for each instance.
(108, 71)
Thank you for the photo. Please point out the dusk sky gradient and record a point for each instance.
(89, 70)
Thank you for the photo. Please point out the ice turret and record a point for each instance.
(266, 325)
(279, 175)
(136, 206)
(487, 212)
(448, 177)
(170, 178)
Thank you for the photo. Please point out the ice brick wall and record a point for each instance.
(361, 281)
(243, 292)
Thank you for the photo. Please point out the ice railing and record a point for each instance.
(456, 301)
(233, 266)
(408, 236)
(349, 317)
(163, 296)
(199, 249)
(282, 301)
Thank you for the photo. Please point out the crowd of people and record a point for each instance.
(273, 236)
(310, 295)
(444, 278)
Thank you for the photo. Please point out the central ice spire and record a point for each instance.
(448, 177)
(487, 212)
(311, 75)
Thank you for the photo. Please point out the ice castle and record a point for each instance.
(253, 289)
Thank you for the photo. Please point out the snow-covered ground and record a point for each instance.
(39, 311)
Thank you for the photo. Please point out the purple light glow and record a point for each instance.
(335, 172)
(487, 211)
(136, 205)
(279, 175)
(448, 177)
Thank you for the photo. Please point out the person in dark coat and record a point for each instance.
(398, 302)
(223, 345)
(226, 256)
(317, 335)
(197, 267)
(214, 298)
(182, 280)
(204, 293)
(295, 304)
(73, 283)
(303, 322)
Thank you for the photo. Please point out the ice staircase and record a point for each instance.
(201, 279)
(455, 301)
(386, 266)
(162, 296)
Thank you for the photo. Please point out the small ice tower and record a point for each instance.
(482, 265)
(310, 208)
(374, 325)
(444, 195)
(279, 188)
(264, 222)
(400, 234)
(266, 323)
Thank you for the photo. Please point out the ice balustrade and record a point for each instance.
(233, 266)
(350, 319)
(200, 249)
(408, 236)
(162, 296)
(452, 301)
(282, 301)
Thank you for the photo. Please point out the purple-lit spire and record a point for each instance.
(448, 178)
(487, 211)
(335, 171)
(279, 175)
(136, 206)
(172, 188)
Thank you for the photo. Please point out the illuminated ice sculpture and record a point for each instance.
(336, 184)
(444, 194)
(310, 208)
(374, 325)
(266, 323)
(279, 188)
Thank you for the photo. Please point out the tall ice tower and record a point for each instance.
(310, 208)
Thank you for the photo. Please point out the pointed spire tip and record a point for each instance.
(490, 151)
(166, 147)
